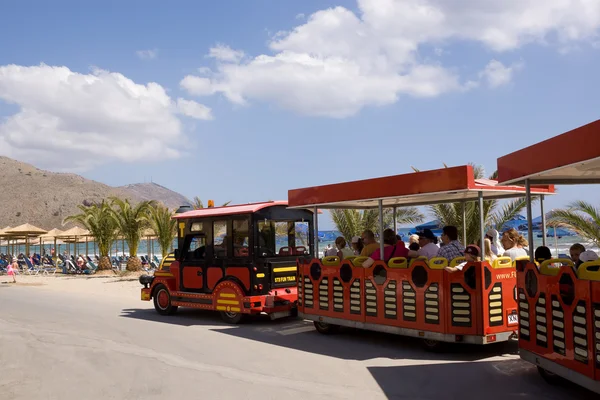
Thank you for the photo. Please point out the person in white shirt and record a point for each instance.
(428, 244)
(514, 244)
(494, 238)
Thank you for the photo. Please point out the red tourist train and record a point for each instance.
(411, 297)
(559, 308)
(238, 260)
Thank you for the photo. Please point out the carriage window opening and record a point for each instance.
(197, 248)
(241, 236)
(301, 233)
(220, 239)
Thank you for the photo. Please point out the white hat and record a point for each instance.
(588, 256)
(355, 239)
(492, 233)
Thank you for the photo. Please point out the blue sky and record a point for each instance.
(349, 93)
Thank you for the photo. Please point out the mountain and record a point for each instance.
(44, 199)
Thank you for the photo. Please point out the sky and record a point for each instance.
(244, 100)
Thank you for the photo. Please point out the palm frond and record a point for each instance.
(581, 217)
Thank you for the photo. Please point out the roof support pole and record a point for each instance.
(395, 226)
(481, 227)
(381, 229)
(316, 233)
(529, 218)
(543, 220)
(464, 211)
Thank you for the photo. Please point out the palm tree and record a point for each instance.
(452, 213)
(353, 222)
(580, 217)
(164, 226)
(97, 218)
(131, 221)
(198, 204)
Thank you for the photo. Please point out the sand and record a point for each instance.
(111, 285)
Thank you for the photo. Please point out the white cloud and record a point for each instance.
(226, 54)
(338, 62)
(496, 74)
(194, 110)
(70, 121)
(147, 54)
(300, 16)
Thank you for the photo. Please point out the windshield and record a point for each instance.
(283, 238)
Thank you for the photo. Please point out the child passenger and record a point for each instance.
(472, 253)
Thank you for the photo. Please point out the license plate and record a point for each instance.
(513, 318)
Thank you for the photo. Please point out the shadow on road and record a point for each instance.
(184, 317)
(347, 344)
(488, 380)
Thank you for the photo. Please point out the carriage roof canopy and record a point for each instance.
(444, 185)
(570, 158)
(229, 210)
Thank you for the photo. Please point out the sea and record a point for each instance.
(558, 246)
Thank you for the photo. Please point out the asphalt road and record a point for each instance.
(66, 346)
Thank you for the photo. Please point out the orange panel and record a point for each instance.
(462, 301)
(556, 318)
(527, 161)
(499, 300)
(440, 180)
(213, 275)
(595, 317)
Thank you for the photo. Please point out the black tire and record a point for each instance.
(232, 318)
(549, 377)
(325, 328)
(433, 345)
(162, 301)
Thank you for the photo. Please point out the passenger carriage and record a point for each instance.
(559, 308)
(410, 297)
(238, 260)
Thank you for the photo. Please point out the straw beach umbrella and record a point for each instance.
(74, 234)
(52, 234)
(26, 231)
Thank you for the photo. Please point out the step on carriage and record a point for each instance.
(238, 260)
(559, 308)
(410, 297)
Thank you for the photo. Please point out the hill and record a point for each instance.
(44, 198)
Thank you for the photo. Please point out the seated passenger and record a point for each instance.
(587, 256)
(342, 250)
(514, 244)
(391, 248)
(489, 254)
(471, 254)
(452, 247)
(494, 238)
(413, 243)
(427, 245)
(575, 250)
(542, 254)
(368, 239)
(357, 245)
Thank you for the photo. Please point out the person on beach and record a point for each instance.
(12, 268)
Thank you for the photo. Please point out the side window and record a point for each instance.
(301, 234)
(241, 236)
(196, 249)
(220, 239)
(282, 237)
